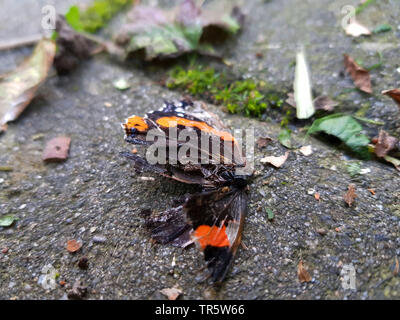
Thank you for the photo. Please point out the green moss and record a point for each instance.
(96, 16)
(353, 169)
(196, 80)
(241, 96)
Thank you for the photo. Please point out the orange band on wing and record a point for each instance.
(137, 123)
(213, 236)
(168, 122)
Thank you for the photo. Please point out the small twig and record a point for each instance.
(21, 42)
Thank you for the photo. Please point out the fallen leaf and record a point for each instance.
(168, 33)
(320, 102)
(262, 142)
(270, 214)
(56, 149)
(72, 47)
(306, 150)
(18, 88)
(344, 127)
(171, 293)
(394, 94)
(7, 220)
(285, 138)
(394, 161)
(302, 88)
(382, 28)
(73, 245)
(350, 195)
(360, 76)
(325, 103)
(385, 144)
(276, 161)
(302, 273)
(356, 29)
(372, 191)
(396, 268)
(6, 168)
(290, 100)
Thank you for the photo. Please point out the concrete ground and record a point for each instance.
(95, 196)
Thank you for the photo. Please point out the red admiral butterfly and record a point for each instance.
(213, 218)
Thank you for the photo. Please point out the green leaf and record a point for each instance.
(354, 169)
(73, 17)
(285, 138)
(95, 16)
(8, 220)
(382, 28)
(270, 214)
(346, 128)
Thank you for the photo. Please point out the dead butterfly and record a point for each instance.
(213, 218)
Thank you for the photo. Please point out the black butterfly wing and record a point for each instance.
(217, 219)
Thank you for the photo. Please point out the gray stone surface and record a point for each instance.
(96, 194)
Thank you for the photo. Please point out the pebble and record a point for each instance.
(27, 288)
(99, 239)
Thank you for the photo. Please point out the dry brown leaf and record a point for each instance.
(396, 269)
(325, 103)
(72, 47)
(73, 245)
(385, 144)
(302, 273)
(356, 29)
(18, 88)
(262, 142)
(306, 150)
(171, 293)
(320, 102)
(394, 94)
(276, 161)
(56, 149)
(360, 76)
(350, 195)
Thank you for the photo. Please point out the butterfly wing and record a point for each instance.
(213, 219)
(213, 141)
(217, 219)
